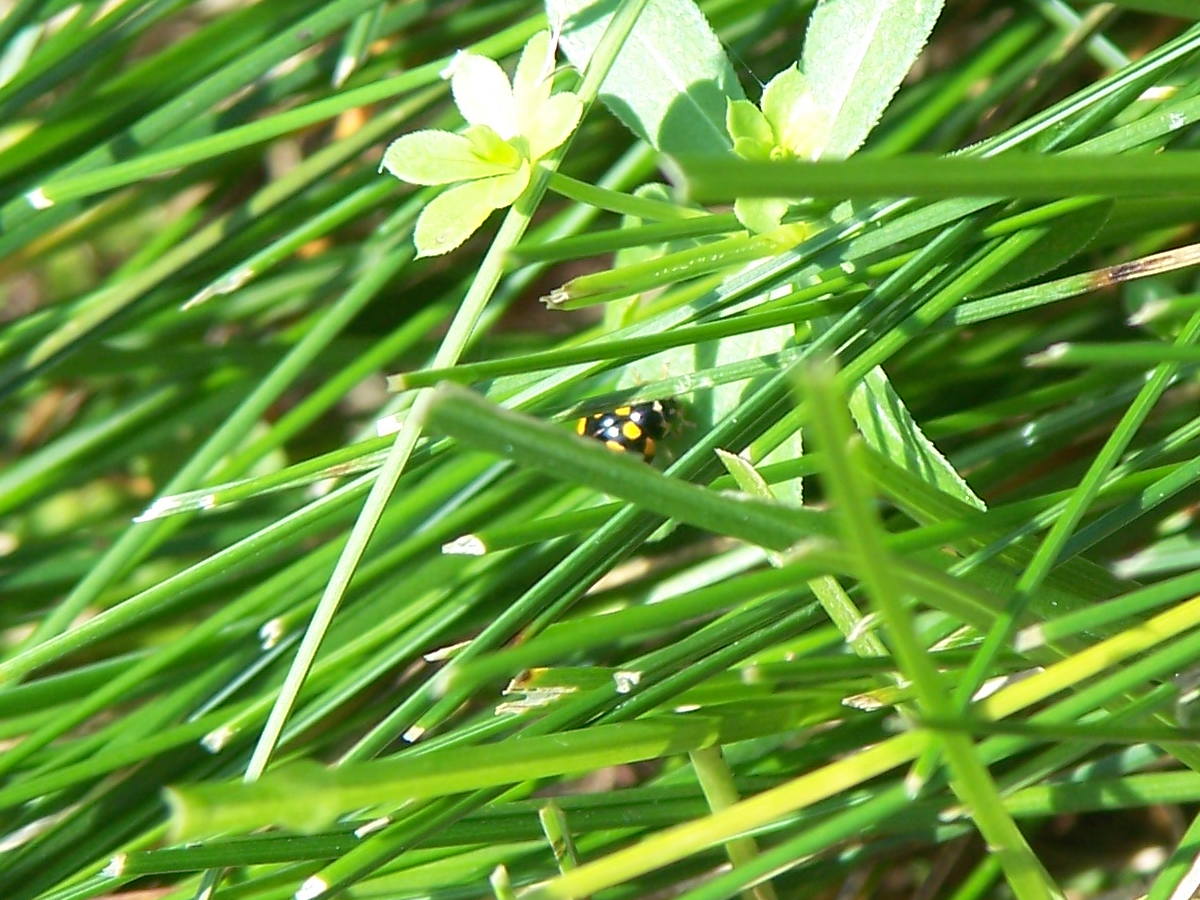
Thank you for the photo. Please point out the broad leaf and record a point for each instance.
(556, 119)
(671, 80)
(483, 94)
(1070, 235)
(856, 54)
(455, 214)
(889, 427)
(441, 157)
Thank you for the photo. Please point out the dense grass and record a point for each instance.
(277, 624)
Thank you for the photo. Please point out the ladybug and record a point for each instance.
(638, 426)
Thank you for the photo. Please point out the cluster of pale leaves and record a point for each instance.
(510, 127)
(787, 124)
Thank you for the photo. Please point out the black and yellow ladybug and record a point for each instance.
(639, 426)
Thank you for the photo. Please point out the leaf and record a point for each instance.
(531, 81)
(744, 120)
(553, 124)
(888, 427)
(456, 214)
(670, 82)
(760, 214)
(1183, 9)
(438, 157)
(1071, 234)
(1010, 176)
(799, 125)
(856, 54)
(482, 93)
(490, 146)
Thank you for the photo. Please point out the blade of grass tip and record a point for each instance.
(558, 835)
(1138, 354)
(352, 206)
(863, 535)
(1051, 547)
(459, 333)
(357, 43)
(502, 888)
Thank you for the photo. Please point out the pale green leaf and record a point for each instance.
(456, 214)
(856, 54)
(744, 120)
(531, 81)
(482, 93)
(553, 124)
(800, 126)
(888, 426)
(750, 148)
(490, 146)
(671, 80)
(760, 214)
(438, 157)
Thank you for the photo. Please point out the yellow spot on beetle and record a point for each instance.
(615, 446)
(631, 431)
(581, 426)
(623, 410)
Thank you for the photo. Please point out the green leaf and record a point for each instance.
(751, 148)
(306, 796)
(439, 157)
(553, 124)
(482, 93)
(856, 54)
(798, 124)
(454, 215)
(889, 427)
(490, 146)
(671, 80)
(760, 214)
(744, 120)
(1014, 175)
(1071, 234)
(531, 81)
(1183, 9)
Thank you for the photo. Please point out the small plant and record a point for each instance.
(904, 609)
(511, 127)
